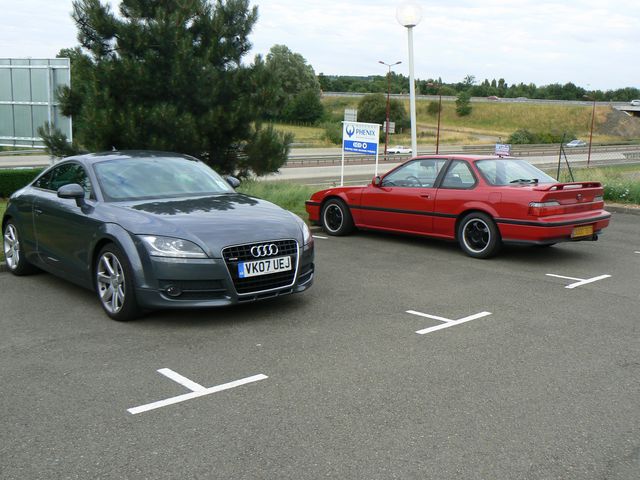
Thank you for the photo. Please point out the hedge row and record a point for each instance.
(15, 179)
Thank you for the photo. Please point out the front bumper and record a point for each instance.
(204, 283)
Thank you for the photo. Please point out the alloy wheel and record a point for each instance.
(476, 235)
(333, 217)
(11, 246)
(110, 280)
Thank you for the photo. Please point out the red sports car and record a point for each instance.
(480, 201)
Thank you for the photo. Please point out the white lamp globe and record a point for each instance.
(409, 14)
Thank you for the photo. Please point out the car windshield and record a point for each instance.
(157, 177)
(502, 171)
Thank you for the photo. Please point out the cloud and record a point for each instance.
(587, 42)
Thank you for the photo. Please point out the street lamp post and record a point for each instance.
(593, 117)
(439, 112)
(409, 15)
(386, 140)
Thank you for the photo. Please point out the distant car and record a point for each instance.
(576, 143)
(493, 98)
(149, 230)
(635, 103)
(479, 201)
(398, 149)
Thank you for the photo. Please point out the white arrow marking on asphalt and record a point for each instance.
(197, 390)
(447, 322)
(579, 281)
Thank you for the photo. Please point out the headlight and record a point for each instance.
(306, 233)
(171, 247)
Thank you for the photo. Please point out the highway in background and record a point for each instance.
(321, 166)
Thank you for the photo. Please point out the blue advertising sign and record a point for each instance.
(360, 137)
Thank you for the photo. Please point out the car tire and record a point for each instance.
(478, 235)
(336, 218)
(114, 284)
(14, 256)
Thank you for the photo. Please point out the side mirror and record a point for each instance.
(233, 181)
(377, 180)
(74, 191)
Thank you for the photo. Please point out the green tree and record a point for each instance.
(290, 76)
(168, 76)
(463, 104)
(373, 109)
(304, 107)
(433, 108)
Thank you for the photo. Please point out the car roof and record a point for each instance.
(470, 158)
(90, 158)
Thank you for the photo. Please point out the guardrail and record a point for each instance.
(626, 151)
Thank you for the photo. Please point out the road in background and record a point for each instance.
(321, 166)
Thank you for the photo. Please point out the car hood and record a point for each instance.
(213, 222)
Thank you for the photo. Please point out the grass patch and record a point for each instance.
(490, 120)
(288, 195)
(305, 135)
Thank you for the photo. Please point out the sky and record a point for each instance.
(592, 43)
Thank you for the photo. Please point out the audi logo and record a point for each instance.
(264, 250)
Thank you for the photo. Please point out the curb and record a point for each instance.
(620, 208)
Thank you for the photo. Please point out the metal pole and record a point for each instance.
(438, 133)
(386, 139)
(412, 95)
(593, 116)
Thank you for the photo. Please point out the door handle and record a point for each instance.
(425, 195)
(38, 211)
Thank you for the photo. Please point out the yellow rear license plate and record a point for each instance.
(584, 231)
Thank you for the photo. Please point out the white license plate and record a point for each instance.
(264, 267)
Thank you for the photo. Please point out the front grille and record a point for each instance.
(242, 253)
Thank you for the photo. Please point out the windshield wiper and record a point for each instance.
(524, 180)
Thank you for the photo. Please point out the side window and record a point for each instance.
(70, 173)
(419, 173)
(459, 175)
(44, 181)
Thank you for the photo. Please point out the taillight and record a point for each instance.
(542, 209)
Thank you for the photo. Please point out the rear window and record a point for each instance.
(502, 171)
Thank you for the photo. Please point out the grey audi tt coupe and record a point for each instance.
(149, 230)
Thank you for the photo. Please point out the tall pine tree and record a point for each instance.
(167, 75)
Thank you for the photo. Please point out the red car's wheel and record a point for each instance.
(336, 218)
(478, 235)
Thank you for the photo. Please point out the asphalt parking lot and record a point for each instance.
(529, 379)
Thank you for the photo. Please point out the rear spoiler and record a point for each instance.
(567, 186)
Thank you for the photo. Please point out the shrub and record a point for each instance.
(521, 137)
(333, 132)
(433, 108)
(12, 180)
(463, 104)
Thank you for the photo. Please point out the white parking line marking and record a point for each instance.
(318, 236)
(579, 281)
(194, 394)
(184, 381)
(636, 252)
(447, 322)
